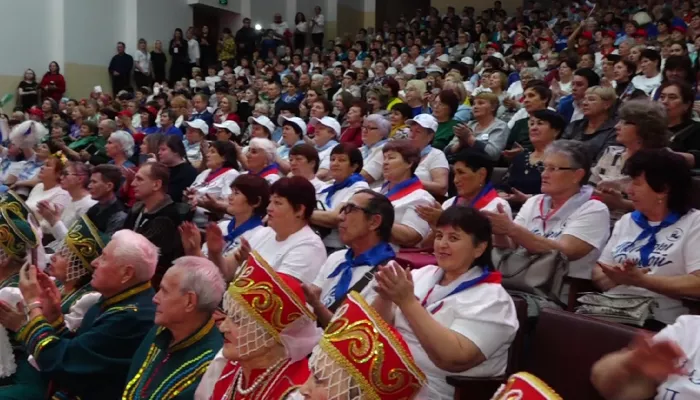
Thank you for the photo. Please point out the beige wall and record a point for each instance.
(350, 20)
(80, 80)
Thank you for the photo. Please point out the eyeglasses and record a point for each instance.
(554, 168)
(349, 208)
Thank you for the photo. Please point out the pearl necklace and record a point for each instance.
(238, 380)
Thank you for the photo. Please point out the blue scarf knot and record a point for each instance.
(375, 256)
(233, 233)
(336, 187)
(650, 232)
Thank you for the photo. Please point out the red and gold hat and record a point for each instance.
(525, 386)
(263, 303)
(360, 354)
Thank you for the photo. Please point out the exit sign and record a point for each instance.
(223, 2)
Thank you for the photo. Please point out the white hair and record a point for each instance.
(382, 123)
(316, 77)
(266, 145)
(125, 140)
(132, 248)
(262, 108)
(201, 276)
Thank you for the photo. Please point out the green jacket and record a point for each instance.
(444, 134)
(93, 362)
(163, 372)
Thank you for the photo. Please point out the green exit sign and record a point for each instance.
(223, 2)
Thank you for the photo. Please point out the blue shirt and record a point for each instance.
(173, 130)
(204, 116)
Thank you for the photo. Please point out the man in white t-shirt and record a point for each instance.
(192, 49)
(665, 366)
(365, 227)
(318, 24)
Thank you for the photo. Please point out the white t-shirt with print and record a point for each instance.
(435, 159)
(491, 206)
(339, 198)
(676, 253)
(301, 255)
(373, 165)
(405, 211)
(684, 332)
(219, 188)
(328, 285)
(484, 314)
(590, 223)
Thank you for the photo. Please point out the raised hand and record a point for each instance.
(191, 238)
(215, 239)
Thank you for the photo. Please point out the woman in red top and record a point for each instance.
(228, 106)
(53, 84)
(353, 132)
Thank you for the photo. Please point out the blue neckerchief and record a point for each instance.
(336, 187)
(234, 233)
(650, 231)
(399, 186)
(326, 146)
(285, 149)
(426, 150)
(365, 150)
(375, 256)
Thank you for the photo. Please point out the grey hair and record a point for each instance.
(132, 248)
(267, 145)
(316, 77)
(382, 123)
(534, 72)
(110, 124)
(650, 119)
(125, 140)
(201, 276)
(575, 152)
(262, 108)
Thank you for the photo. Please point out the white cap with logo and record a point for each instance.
(198, 124)
(427, 121)
(231, 126)
(294, 120)
(264, 121)
(327, 121)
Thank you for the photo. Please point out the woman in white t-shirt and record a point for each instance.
(247, 206)
(326, 133)
(303, 161)
(564, 217)
(653, 251)
(375, 131)
(346, 163)
(456, 317)
(405, 190)
(260, 159)
(664, 366)
(287, 244)
(472, 178)
(433, 169)
(48, 189)
(650, 78)
(211, 189)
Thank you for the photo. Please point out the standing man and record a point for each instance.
(245, 39)
(143, 69)
(318, 24)
(192, 50)
(120, 70)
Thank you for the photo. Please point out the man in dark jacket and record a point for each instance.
(156, 216)
(245, 39)
(120, 69)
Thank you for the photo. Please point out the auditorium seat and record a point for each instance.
(484, 388)
(416, 258)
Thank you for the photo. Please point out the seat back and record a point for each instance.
(516, 348)
(565, 346)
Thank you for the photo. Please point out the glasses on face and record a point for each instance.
(349, 208)
(554, 168)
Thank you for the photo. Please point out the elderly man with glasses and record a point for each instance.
(365, 226)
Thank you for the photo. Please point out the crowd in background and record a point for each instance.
(571, 130)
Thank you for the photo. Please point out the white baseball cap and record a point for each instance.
(433, 68)
(427, 121)
(295, 120)
(409, 69)
(467, 61)
(198, 124)
(327, 121)
(264, 121)
(231, 126)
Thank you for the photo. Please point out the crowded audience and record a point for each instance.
(234, 226)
